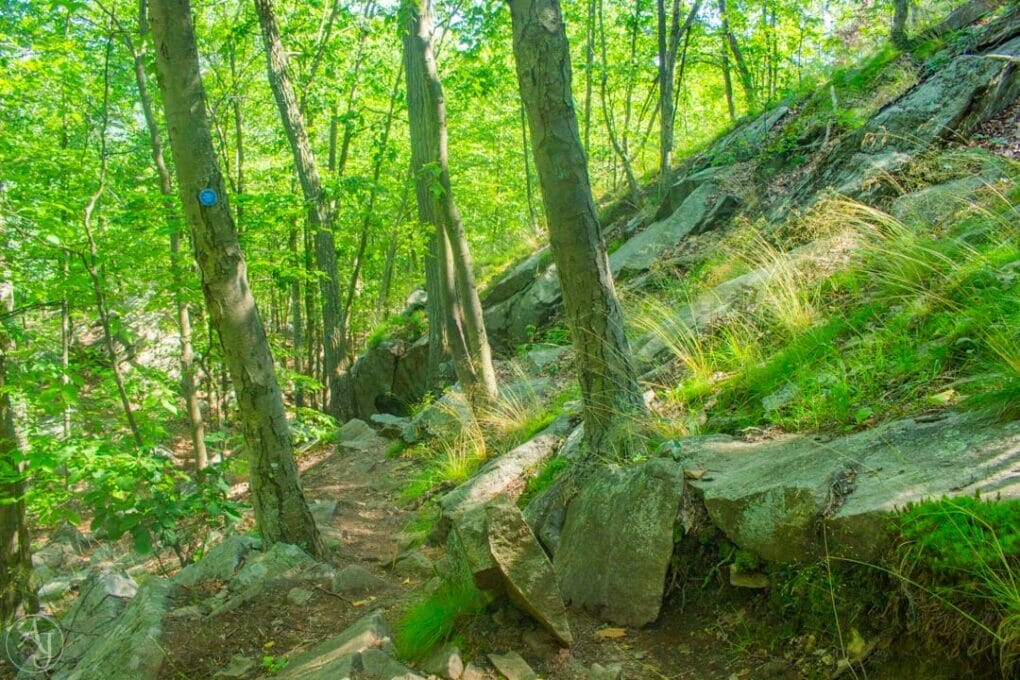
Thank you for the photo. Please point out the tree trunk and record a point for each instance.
(607, 114)
(319, 217)
(427, 114)
(668, 47)
(15, 543)
(727, 80)
(609, 387)
(187, 362)
(743, 72)
(281, 513)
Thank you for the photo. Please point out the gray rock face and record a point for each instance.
(356, 436)
(513, 321)
(354, 580)
(518, 278)
(389, 377)
(617, 541)
(389, 425)
(773, 497)
(502, 475)
(445, 662)
(545, 515)
(527, 572)
(339, 656)
(130, 650)
(444, 419)
(379, 665)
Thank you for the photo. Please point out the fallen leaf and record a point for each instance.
(694, 474)
(269, 645)
(362, 603)
(610, 633)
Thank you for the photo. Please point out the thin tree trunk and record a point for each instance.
(607, 115)
(297, 329)
(281, 512)
(668, 47)
(187, 361)
(589, 62)
(609, 387)
(319, 217)
(528, 184)
(436, 206)
(91, 259)
(238, 119)
(743, 72)
(65, 342)
(16, 592)
(727, 80)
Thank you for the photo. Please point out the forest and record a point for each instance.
(476, 339)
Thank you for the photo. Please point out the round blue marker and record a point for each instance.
(207, 197)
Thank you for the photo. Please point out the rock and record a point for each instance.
(377, 664)
(323, 512)
(527, 572)
(472, 672)
(191, 611)
(129, 649)
(354, 580)
(747, 579)
(444, 662)
(54, 590)
(415, 564)
(501, 475)
(618, 539)
(611, 672)
(542, 359)
(770, 497)
(546, 513)
(69, 535)
(443, 419)
(684, 187)
(54, 556)
(518, 278)
(337, 657)
(514, 321)
(357, 436)
(282, 559)
(220, 563)
(780, 398)
(299, 596)
(512, 666)
(470, 539)
(239, 667)
(935, 204)
(389, 425)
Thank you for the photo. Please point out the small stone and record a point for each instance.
(54, 590)
(192, 611)
(512, 666)
(445, 662)
(610, 672)
(472, 672)
(356, 580)
(747, 579)
(415, 564)
(376, 663)
(239, 667)
(299, 596)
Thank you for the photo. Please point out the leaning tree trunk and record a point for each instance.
(609, 387)
(427, 114)
(15, 544)
(319, 217)
(743, 72)
(187, 361)
(898, 31)
(281, 512)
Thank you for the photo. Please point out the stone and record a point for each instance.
(772, 497)
(356, 436)
(542, 359)
(747, 579)
(220, 563)
(472, 672)
(54, 590)
(389, 425)
(512, 666)
(338, 657)
(299, 596)
(378, 665)
(611, 672)
(443, 419)
(545, 515)
(470, 540)
(239, 667)
(323, 512)
(501, 475)
(517, 278)
(527, 572)
(282, 559)
(355, 580)
(129, 649)
(445, 662)
(415, 564)
(617, 541)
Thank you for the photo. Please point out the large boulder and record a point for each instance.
(774, 497)
(617, 541)
(357, 436)
(339, 657)
(526, 570)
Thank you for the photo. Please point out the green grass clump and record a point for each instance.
(437, 617)
(399, 326)
(548, 474)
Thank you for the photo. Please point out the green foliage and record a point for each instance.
(436, 618)
(272, 664)
(399, 327)
(547, 474)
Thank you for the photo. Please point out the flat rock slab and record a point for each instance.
(357, 436)
(772, 497)
(512, 666)
(617, 541)
(527, 571)
(339, 656)
(502, 475)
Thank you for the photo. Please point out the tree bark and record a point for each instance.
(743, 72)
(466, 333)
(620, 147)
(15, 542)
(281, 512)
(609, 387)
(668, 47)
(319, 216)
(187, 361)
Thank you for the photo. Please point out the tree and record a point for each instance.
(281, 512)
(319, 215)
(743, 72)
(464, 324)
(669, 44)
(15, 542)
(609, 387)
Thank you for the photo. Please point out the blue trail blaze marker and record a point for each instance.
(207, 197)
